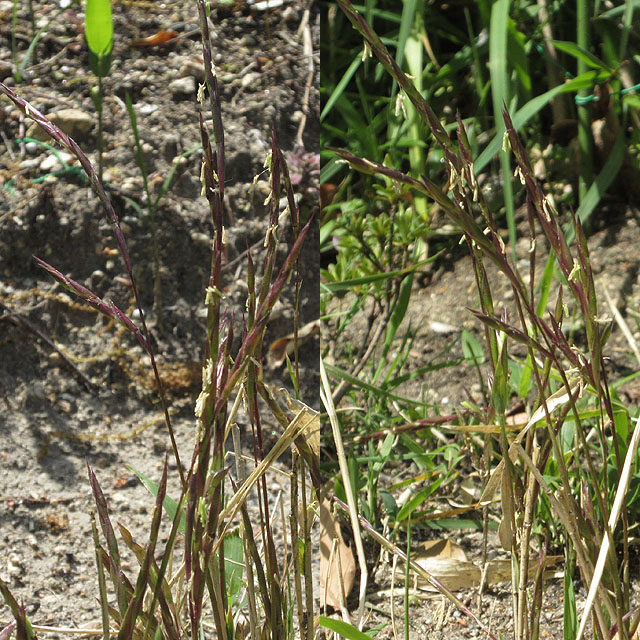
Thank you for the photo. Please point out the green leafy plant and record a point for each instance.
(30, 54)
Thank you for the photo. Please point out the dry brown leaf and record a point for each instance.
(446, 562)
(505, 530)
(442, 549)
(161, 37)
(284, 346)
(470, 489)
(330, 577)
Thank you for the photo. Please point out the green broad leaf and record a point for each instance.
(500, 387)
(389, 502)
(345, 629)
(169, 504)
(233, 564)
(99, 33)
(99, 26)
(471, 349)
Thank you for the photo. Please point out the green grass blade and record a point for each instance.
(601, 184)
(345, 629)
(136, 136)
(110, 537)
(500, 97)
(34, 43)
(340, 87)
(169, 504)
(24, 631)
(580, 54)
(570, 613)
(527, 111)
(340, 374)
(346, 285)
(399, 312)
(175, 165)
(102, 585)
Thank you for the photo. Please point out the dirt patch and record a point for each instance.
(73, 388)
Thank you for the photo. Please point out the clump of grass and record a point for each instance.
(551, 465)
(236, 574)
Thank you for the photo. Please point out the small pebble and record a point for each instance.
(201, 239)
(249, 79)
(183, 86)
(50, 163)
(145, 109)
(135, 314)
(29, 163)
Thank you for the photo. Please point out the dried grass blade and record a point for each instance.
(623, 485)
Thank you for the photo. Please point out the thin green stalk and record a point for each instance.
(585, 138)
(14, 47)
(100, 139)
(500, 95)
(406, 580)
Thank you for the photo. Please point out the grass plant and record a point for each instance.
(550, 469)
(29, 56)
(230, 571)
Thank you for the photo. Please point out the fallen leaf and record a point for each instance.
(442, 549)
(161, 37)
(284, 346)
(330, 578)
(58, 522)
(447, 562)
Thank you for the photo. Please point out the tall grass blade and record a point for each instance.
(621, 492)
(170, 505)
(500, 98)
(570, 617)
(601, 184)
(341, 86)
(102, 585)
